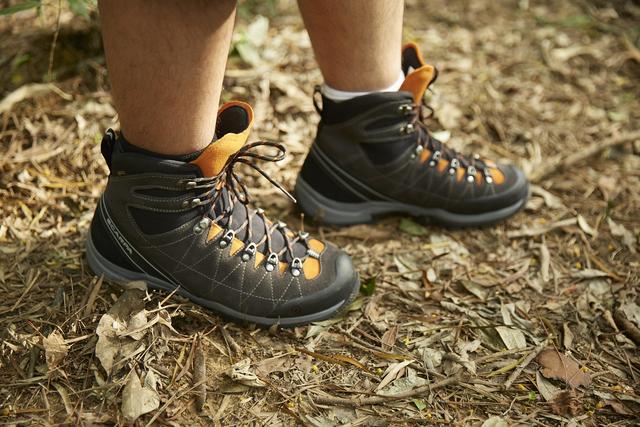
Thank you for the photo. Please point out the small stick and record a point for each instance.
(92, 295)
(200, 375)
(363, 401)
(562, 161)
(629, 328)
(516, 372)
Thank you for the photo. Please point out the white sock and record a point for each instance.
(340, 95)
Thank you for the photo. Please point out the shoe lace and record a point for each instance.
(227, 189)
(437, 148)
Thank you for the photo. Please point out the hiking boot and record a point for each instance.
(374, 155)
(188, 227)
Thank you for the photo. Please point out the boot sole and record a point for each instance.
(102, 266)
(332, 212)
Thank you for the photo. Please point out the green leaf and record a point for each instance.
(419, 404)
(248, 53)
(409, 226)
(356, 304)
(533, 396)
(368, 287)
(79, 7)
(9, 10)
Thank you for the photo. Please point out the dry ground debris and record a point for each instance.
(533, 322)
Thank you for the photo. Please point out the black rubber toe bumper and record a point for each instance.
(339, 293)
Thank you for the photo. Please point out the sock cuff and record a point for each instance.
(131, 148)
(341, 95)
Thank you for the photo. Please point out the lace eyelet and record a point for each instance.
(249, 252)
(272, 262)
(313, 254)
(407, 129)
(303, 235)
(227, 239)
(454, 166)
(189, 185)
(296, 267)
(202, 225)
(435, 158)
(405, 109)
(487, 176)
(191, 203)
(471, 174)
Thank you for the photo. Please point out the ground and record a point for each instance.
(533, 321)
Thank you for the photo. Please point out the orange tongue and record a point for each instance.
(234, 124)
(418, 81)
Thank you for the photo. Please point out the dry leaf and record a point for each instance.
(566, 403)
(138, 399)
(546, 389)
(126, 316)
(545, 261)
(584, 226)
(478, 290)
(393, 372)
(513, 338)
(620, 407)
(552, 201)
(241, 372)
(632, 311)
(619, 230)
(389, 338)
(608, 186)
(68, 407)
(55, 349)
(432, 358)
(558, 366)
(495, 421)
(401, 385)
(567, 336)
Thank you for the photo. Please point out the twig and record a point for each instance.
(91, 296)
(536, 231)
(516, 372)
(562, 161)
(629, 328)
(174, 397)
(200, 375)
(54, 43)
(363, 401)
(231, 343)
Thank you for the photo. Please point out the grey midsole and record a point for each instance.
(340, 213)
(102, 266)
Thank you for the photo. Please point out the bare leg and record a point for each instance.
(357, 42)
(166, 63)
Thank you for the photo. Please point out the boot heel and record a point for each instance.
(328, 211)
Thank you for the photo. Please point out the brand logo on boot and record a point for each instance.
(118, 236)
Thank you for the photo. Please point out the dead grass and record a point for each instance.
(459, 327)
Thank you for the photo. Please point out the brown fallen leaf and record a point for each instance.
(619, 407)
(55, 349)
(389, 338)
(339, 359)
(558, 366)
(566, 403)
